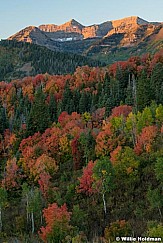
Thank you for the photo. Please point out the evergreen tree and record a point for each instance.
(106, 85)
(156, 83)
(3, 119)
(76, 98)
(53, 109)
(83, 103)
(143, 91)
(39, 118)
(67, 97)
(122, 81)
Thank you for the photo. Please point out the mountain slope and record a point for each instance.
(99, 41)
(18, 59)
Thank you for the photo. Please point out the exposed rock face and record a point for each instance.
(26, 34)
(71, 30)
(71, 26)
(34, 35)
(74, 27)
(125, 32)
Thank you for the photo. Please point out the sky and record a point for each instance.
(18, 14)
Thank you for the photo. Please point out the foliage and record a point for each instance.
(86, 141)
(118, 228)
(57, 223)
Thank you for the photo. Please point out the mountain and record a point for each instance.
(19, 59)
(106, 41)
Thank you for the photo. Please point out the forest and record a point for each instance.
(14, 56)
(81, 154)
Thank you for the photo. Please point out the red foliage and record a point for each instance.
(61, 118)
(105, 141)
(76, 153)
(50, 141)
(117, 65)
(30, 141)
(8, 141)
(98, 117)
(11, 175)
(53, 215)
(114, 154)
(38, 79)
(145, 139)
(121, 110)
(162, 129)
(44, 183)
(87, 180)
(158, 57)
(38, 152)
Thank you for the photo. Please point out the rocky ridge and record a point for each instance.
(89, 40)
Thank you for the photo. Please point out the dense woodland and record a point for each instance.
(82, 154)
(14, 55)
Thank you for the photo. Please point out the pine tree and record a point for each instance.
(156, 83)
(39, 118)
(67, 96)
(53, 109)
(3, 119)
(83, 103)
(143, 91)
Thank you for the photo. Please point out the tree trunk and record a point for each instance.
(33, 224)
(27, 209)
(160, 212)
(41, 217)
(104, 202)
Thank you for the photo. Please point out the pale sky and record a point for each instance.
(18, 14)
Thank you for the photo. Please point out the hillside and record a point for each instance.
(109, 41)
(19, 59)
(82, 154)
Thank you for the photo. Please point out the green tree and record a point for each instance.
(3, 119)
(39, 118)
(103, 175)
(83, 102)
(33, 205)
(159, 169)
(53, 108)
(156, 83)
(144, 94)
(3, 201)
(67, 97)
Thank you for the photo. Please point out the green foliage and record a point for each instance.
(144, 93)
(159, 169)
(155, 198)
(39, 118)
(155, 230)
(103, 171)
(15, 55)
(118, 228)
(125, 184)
(3, 197)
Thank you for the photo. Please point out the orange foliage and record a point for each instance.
(115, 154)
(104, 140)
(87, 180)
(44, 183)
(121, 110)
(54, 215)
(11, 175)
(145, 139)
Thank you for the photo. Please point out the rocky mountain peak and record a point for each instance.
(124, 32)
(73, 22)
(130, 22)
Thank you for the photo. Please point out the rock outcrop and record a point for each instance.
(77, 38)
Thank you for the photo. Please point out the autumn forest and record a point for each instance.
(81, 154)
